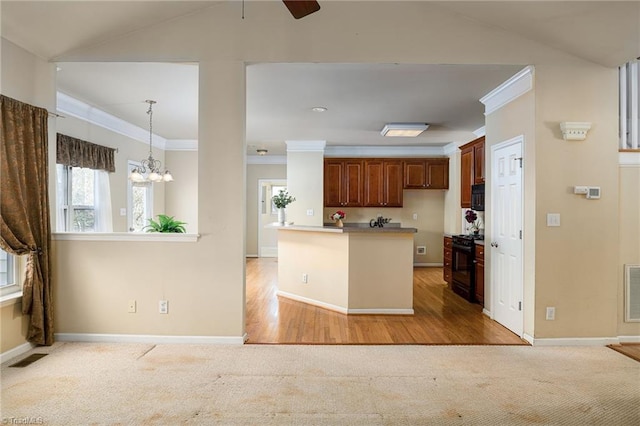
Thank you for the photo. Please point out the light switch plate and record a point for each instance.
(553, 219)
(123, 211)
(310, 212)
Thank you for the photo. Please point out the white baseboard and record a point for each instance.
(343, 310)
(629, 339)
(427, 265)
(17, 351)
(528, 338)
(381, 311)
(143, 338)
(250, 255)
(573, 341)
(313, 302)
(487, 312)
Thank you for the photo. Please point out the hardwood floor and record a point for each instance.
(441, 317)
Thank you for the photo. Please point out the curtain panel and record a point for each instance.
(24, 208)
(78, 153)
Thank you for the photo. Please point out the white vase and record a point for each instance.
(281, 215)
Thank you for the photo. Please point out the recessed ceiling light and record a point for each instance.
(407, 130)
(318, 109)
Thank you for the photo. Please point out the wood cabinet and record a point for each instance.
(479, 273)
(471, 169)
(447, 260)
(426, 173)
(382, 183)
(343, 182)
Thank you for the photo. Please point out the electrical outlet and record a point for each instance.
(551, 313)
(305, 278)
(421, 250)
(415, 216)
(309, 212)
(123, 211)
(163, 306)
(132, 307)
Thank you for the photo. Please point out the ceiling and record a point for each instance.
(360, 98)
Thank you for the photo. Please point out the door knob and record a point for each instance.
(494, 244)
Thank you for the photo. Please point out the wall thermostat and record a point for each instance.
(594, 192)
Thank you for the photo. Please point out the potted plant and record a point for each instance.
(165, 224)
(281, 201)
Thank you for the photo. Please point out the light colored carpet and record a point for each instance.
(141, 384)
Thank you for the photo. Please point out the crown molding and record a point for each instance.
(451, 148)
(482, 131)
(510, 90)
(68, 105)
(181, 145)
(383, 151)
(266, 159)
(305, 146)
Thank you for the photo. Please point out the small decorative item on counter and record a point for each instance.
(472, 218)
(338, 216)
(379, 222)
(281, 201)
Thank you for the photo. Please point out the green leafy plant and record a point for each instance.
(283, 199)
(165, 224)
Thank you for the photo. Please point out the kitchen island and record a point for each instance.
(352, 270)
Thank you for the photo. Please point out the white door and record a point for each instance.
(506, 234)
(268, 236)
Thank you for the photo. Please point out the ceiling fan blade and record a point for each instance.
(301, 8)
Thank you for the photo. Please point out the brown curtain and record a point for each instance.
(24, 208)
(78, 153)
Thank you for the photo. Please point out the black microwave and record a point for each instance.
(477, 197)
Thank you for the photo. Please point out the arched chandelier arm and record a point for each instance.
(150, 164)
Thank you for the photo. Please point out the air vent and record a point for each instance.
(28, 360)
(632, 293)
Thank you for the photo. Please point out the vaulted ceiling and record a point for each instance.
(359, 98)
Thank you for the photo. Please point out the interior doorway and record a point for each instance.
(267, 214)
(507, 279)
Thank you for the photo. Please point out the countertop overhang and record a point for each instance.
(347, 229)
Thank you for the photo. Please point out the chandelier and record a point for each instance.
(150, 164)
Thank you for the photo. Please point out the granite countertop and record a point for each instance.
(349, 228)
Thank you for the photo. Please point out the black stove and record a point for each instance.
(463, 265)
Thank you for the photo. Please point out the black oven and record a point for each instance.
(463, 267)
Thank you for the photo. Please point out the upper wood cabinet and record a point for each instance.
(471, 169)
(343, 182)
(382, 183)
(426, 173)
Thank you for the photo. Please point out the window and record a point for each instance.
(139, 203)
(8, 276)
(84, 200)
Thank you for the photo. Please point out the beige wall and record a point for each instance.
(577, 263)
(305, 181)
(256, 172)
(427, 204)
(583, 287)
(629, 179)
(515, 119)
(452, 211)
(181, 195)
